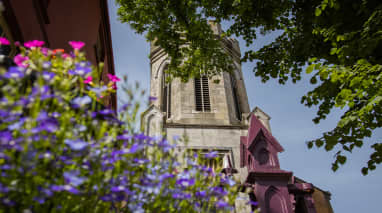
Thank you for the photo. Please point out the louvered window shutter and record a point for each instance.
(202, 94)
(198, 95)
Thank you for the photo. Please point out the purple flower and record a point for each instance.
(8, 202)
(124, 137)
(47, 192)
(71, 189)
(212, 154)
(14, 72)
(45, 123)
(98, 90)
(118, 189)
(228, 181)
(3, 189)
(72, 177)
(201, 194)
(221, 204)
(46, 64)
(106, 112)
(165, 145)
(76, 145)
(124, 107)
(23, 101)
(40, 200)
(43, 91)
(56, 188)
(48, 76)
(17, 125)
(218, 191)
(5, 137)
(253, 203)
(106, 198)
(80, 69)
(165, 176)
(55, 114)
(184, 182)
(81, 128)
(134, 148)
(182, 196)
(141, 161)
(81, 101)
(42, 116)
(152, 98)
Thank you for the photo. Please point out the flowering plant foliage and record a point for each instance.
(62, 151)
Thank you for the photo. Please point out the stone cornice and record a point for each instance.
(206, 126)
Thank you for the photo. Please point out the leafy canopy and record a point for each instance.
(340, 40)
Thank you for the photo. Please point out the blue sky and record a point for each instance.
(291, 124)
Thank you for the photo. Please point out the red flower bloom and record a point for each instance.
(55, 51)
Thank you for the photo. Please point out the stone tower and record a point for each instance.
(216, 117)
(212, 115)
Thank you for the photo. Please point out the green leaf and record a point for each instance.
(333, 51)
(310, 69)
(310, 144)
(334, 167)
(318, 11)
(319, 143)
(358, 143)
(313, 80)
(364, 171)
(341, 159)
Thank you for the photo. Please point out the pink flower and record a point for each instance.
(45, 51)
(34, 43)
(17, 43)
(4, 41)
(19, 60)
(114, 86)
(113, 78)
(76, 44)
(65, 55)
(88, 80)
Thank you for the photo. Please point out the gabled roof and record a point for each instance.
(256, 128)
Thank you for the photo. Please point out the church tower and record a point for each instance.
(214, 115)
(211, 115)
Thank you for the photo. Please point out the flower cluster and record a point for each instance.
(61, 150)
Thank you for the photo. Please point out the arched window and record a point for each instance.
(235, 98)
(166, 94)
(202, 94)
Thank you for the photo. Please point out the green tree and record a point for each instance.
(339, 40)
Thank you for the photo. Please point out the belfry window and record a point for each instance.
(166, 94)
(202, 94)
(235, 98)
